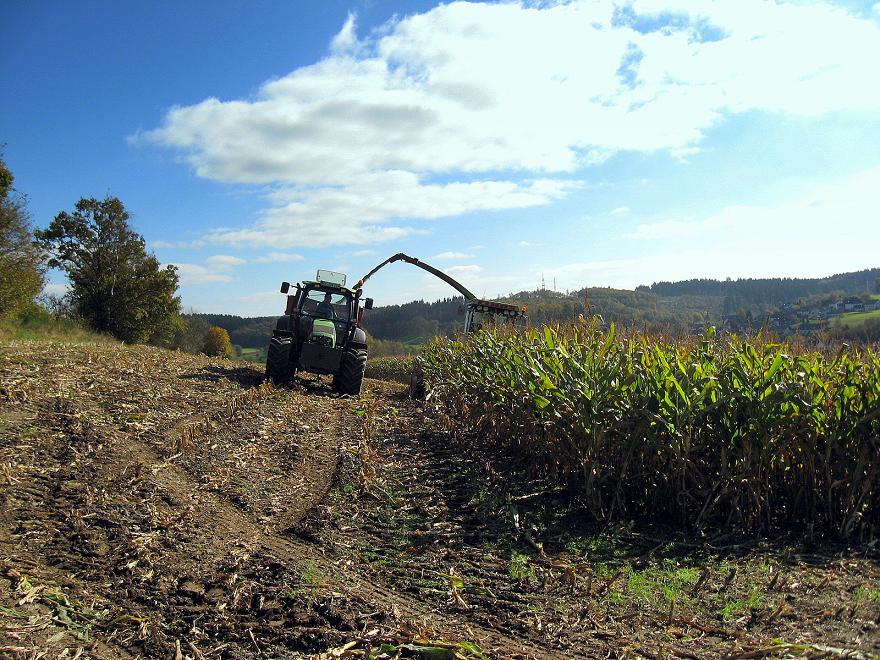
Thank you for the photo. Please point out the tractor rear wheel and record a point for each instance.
(278, 360)
(351, 372)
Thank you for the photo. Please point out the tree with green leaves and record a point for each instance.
(115, 285)
(21, 261)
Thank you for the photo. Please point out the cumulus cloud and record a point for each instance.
(477, 107)
(452, 256)
(357, 212)
(195, 274)
(216, 269)
(457, 271)
(224, 262)
(279, 257)
(160, 244)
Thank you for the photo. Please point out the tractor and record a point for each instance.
(321, 333)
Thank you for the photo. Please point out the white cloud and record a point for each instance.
(358, 138)
(195, 274)
(356, 213)
(528, 244)
(817, 216)
(346, 41)
(798, 238)
(471, 269)
(452, 256)
(279, 257)
(160, 244)
(620, 210)
(365, 253)
(224, 262)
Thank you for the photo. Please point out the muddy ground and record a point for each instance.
(165, 505)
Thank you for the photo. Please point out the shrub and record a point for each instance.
(217, 343)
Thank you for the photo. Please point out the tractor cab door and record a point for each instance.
(293, 301)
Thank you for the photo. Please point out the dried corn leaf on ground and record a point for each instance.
(160, 504)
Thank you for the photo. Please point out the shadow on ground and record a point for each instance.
(246, 376)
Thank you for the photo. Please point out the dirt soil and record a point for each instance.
(165, 505)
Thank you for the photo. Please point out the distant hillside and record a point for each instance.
(674, 306)
(246, 332)
(772, 291)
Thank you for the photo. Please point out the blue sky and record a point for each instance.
(594, 143)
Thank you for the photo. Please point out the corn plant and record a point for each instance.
(732, 433)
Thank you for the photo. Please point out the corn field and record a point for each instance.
(727, 434)
(397, 369)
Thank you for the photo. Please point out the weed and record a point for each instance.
(311, 575)
(735, 607)
(520, 567)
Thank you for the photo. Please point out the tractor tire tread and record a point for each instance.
(350, 378)
(278, 361)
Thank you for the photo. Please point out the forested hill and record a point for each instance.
(771, 291)
(676, 306)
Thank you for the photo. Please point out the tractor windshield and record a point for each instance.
(327, 305)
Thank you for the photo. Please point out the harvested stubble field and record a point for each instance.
(166, 505)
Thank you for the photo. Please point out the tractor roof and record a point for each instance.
(328, 286)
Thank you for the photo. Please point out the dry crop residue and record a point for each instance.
(145, 494)
(159, 504)
(150, 502)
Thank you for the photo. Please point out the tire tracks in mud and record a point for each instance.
(177, 506)
(310, 478)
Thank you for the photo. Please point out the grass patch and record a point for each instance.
(256, 355)
(856, 318)
(734, 608)
(661, 584)
(41, 327)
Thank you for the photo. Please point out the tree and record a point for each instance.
(190, 337)
(21, 261)
(217, 343)
(115, 285)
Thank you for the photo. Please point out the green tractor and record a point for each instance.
(321, 333)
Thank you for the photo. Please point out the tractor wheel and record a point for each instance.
(278, 361)
(351, 372)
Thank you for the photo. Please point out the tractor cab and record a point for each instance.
(328, 310)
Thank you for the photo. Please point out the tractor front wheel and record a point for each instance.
(278, 360)
(351, 372)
